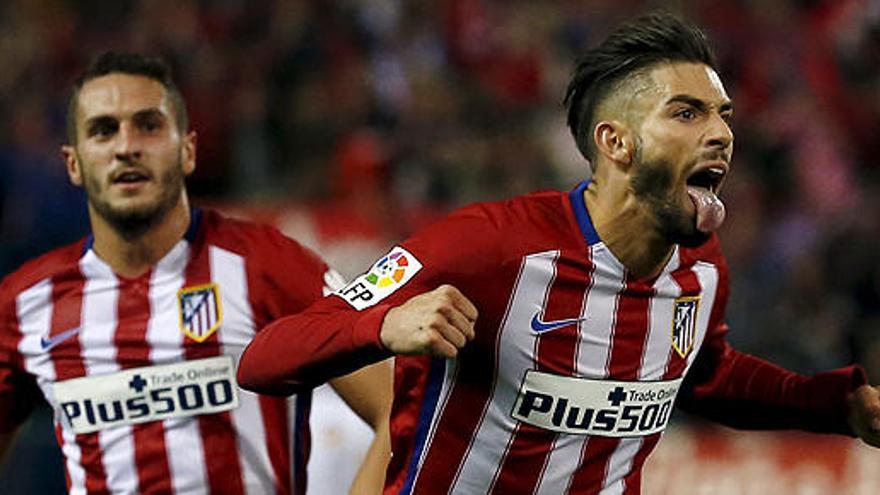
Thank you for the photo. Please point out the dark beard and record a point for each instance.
(652, 184)
(132, 223)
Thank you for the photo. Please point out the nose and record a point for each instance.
(128, 143)
(720, 135)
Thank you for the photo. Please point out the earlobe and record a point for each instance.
(188, 150)
(71, 162)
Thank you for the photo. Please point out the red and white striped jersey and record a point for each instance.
(140, 372)
(576, 364)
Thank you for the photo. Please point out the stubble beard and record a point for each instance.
(654, 185)
(133, 222)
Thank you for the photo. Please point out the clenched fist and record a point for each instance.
(439, 323)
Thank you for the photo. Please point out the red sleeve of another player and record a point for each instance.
(18, 391)
(742, 391)
(340, 333)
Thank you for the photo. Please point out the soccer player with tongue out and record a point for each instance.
(542, 342)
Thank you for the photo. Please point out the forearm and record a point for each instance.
(743, 391)
(300, 351)
(370, 478)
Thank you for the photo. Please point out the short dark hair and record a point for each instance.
(648, 40)
(127, 63)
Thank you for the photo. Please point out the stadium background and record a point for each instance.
(349, 124)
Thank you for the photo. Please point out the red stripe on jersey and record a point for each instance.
(217, 430)
(627, 346)
(274, 412)
(67, 297)
(454, 431)
(687, 280)
(633, 480)
(133, 315)
(556, 352)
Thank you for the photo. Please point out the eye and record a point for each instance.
(149, 123)
(103, 128)
(685, 114)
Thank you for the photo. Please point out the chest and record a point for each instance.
(583, 316)
(95, 325)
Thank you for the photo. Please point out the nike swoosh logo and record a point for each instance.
(539, 326)
(57, 339)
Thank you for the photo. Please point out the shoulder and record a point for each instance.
(530, 212)
(708, 252)
(40, 268)
(251, 239)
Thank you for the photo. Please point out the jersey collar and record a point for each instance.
(576, 196)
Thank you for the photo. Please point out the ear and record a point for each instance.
(188, 153)
(614, 141)
(74, 170)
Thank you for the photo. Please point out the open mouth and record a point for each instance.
(709, 178)
(129, 177)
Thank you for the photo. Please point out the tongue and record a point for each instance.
(710, 209)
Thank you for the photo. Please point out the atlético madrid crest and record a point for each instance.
(200, 311)
(684, 324)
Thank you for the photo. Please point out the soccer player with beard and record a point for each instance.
(132, 335)
(543, 341)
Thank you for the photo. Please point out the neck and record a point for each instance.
(626, 227)
(131, 257)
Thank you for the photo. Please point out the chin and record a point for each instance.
(679, 227)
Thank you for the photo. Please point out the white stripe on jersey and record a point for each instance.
(163, 330)
(619, 465)
(489, 444)
(656, 355)
(99, 321)
(601, 312)
(655, 359)
(34, 308)
(183, 440)
(593, 353)
(228, 272)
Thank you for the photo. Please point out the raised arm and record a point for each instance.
(408, 302)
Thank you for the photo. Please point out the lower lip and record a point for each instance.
(129, 186)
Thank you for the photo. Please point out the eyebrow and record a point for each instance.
(702, 106)
(140, 114)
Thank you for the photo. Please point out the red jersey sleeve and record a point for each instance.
(340, 333)
(18, 390)
(285, 277)
(743, 391)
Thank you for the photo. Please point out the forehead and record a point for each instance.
(121, 95)
(691, 79)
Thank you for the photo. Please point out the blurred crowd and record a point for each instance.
(395, 111)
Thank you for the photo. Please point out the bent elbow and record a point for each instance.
(253, 375)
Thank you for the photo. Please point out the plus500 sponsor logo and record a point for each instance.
(160, 403)
(579, 406)
(153, 393)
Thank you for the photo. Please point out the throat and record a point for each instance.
(631, 233)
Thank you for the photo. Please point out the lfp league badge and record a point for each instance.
(200, 311)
